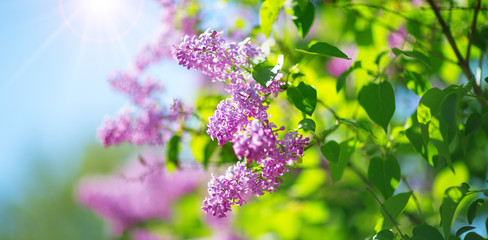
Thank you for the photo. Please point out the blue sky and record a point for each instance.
(53, 88)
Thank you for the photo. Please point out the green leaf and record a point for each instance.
(337, 168)
(208, 152)
(384, 174)
(480, 38)
(395, 206)
(265, 72)
(268, 13)
(452, 198)
(464, 229)
(473, 123)
(413, 54)
(307, 124)
(362, 125)
(174, 149)
(303, 18)
(364, 37)
(426, 232)
(227, 154)
(331, 150)
(429, 105)
(379, 102)
(384, 235)
(304, 97)
(472, 209)
(473, 236)
(341, 81)
(416, 82)
(324, 49)
(418, 142)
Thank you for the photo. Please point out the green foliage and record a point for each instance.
(174, 149)
(304, 17)
(379, 102)
(307, 124)
(323, 49)
(384, 174)
(394, 206)
(268, 14)
(451, 200)
(304, 97)
(331, 151)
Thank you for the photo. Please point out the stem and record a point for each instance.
(473, 28)
(387, 213)
(414, 198)
(461, 61)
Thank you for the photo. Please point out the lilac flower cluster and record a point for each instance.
(152, 124)
(222, 61)
(142, 192)
(241, 120)
(149, 123)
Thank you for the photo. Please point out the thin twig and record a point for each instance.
(387, 213)
(414, 198)
(461, 61)
(473, 28)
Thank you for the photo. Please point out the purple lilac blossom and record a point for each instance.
(240, 181)
(143, 191)
(397, 39)
(336, 66)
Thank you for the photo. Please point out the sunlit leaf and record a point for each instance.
(426, 232)
(337, 168)
(395, 206)
(384, 235)
(265, 72)
(268, 13)
(413, 54)
(451, 200)
(416, 82)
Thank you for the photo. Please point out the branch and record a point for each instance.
(461, 61)
(473, 28)
(387, 213)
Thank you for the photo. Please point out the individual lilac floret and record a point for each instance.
(230, 189)
(142, 192)
(234, 113)
(213, 56)
(139, 93)
(255, 141)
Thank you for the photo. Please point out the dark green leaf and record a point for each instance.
(208, 152)
(307, 124)
(426, 232)
(418, 142)
(174, 149)
(472, 209)
(395, 206)
(325, 50)
(384, 235)
(464, 229)
(303, 18)
(413, 54)
(384, 174)
(337, 168)
(265, 72)
(473, 123)
(304, 97)
(364, 37)
(473, 236)
(331, 150)
(227, 154)
(341, 81)
(379, 102)
(416, 82)
(480, 38)
(452, 198)
(268, 13)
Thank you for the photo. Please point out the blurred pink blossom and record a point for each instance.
(336, 66)
(143, 190)
(397, 39)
